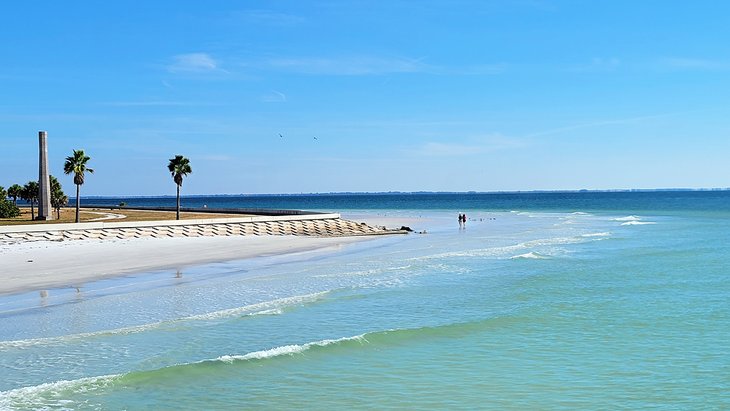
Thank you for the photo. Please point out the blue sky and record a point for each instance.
(429, 95)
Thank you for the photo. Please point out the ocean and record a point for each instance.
(590, 300)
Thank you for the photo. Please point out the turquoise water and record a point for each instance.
(538, 308)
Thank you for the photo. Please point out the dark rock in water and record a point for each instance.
(405, 228)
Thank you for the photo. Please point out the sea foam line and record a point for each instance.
(285, 350)
(602, 234)
(531, 255)
(43, 395)
(627, 218)
(273, 307)
(34, 396)
(638, 223)
(504, 251)
(39, 396)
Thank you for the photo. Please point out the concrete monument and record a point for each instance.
(44, 183)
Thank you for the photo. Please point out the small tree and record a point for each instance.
(3, 193)
(30, 194)
(8, 209)
(58, 197)
(179, 167)
(14, 192)
(76, 164)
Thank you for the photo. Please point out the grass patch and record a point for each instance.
(68, 215)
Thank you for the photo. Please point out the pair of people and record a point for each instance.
(462, 220)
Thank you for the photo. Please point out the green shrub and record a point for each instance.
(8, 209)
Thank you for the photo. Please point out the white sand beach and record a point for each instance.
(49, 264)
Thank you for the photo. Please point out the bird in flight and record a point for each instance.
(315, 138)
(281, 135)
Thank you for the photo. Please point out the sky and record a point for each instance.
(335, 96)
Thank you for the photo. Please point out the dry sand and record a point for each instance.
(41, 265)
(46, 264)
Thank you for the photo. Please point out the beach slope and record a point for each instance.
(49, 264)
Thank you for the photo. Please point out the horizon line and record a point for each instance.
(395, 192)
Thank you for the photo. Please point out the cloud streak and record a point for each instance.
(681, 63)
(193, 63)
(266, 17)
(476, 146)
(603, 123)
(274, 97)
(347, 65)
(154, 103)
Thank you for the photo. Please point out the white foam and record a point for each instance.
(273, 307)
(531, 255)
(255, 309)
(36, 396)
(273, 311)
(285, 350)
(33, 396)
(591, 235)
(504, 251)
(638, 223)
(627, 218)
(72, 337)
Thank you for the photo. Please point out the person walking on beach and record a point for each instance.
(461, 220)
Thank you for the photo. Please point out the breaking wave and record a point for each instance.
(627, 218)
(69, 394)
(591, 235)
(510, 250)
(638, 223)
(531, 255)
(273, 307)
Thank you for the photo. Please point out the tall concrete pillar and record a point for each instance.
(44, 183)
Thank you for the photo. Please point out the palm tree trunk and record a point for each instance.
(32, 210)
(78, 202)
(177, 217)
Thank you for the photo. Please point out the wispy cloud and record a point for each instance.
(348, 65)
(266, 17)
(597, 65)
(274, 96)
(627, 120)
(614, 64)
(215, 157)
(155, 103)
(476, 70)
(473, 146)
(695, 64)
(193, 63)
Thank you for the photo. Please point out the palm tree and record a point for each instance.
(179, 167)
(29, 193)
(76, 164)
(58, 197)
(14, 192)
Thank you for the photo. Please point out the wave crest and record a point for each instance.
(273, 307)
(285, 350)
(531, 256)
(627, 218)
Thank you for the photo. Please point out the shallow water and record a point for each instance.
(532, 309)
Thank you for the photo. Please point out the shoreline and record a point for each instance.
(41, 265)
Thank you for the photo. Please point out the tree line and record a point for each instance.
(30, 192)
(76, 164)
